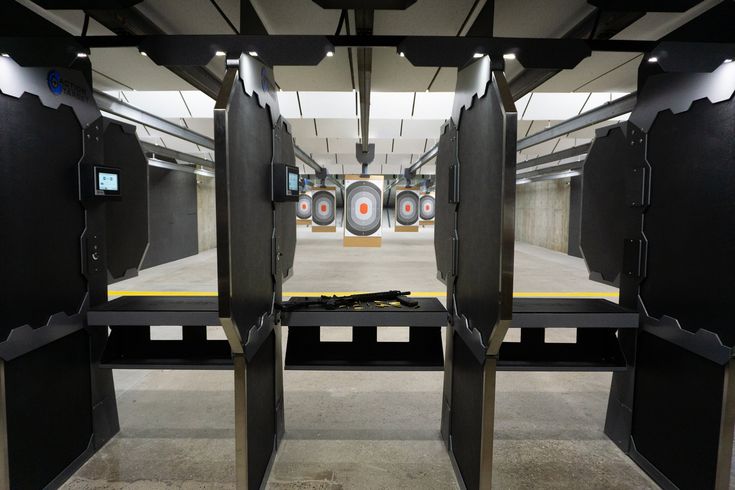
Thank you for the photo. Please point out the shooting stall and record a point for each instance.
(669, 342)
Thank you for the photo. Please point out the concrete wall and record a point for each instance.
(206, 219)
(542, 214)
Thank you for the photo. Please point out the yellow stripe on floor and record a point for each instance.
(419, 294)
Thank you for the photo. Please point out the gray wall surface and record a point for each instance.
(173, 216)
(542, 214)
(206, 219)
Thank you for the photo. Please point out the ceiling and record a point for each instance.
(409, 103)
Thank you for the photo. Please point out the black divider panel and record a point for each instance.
(444, 221)
(466, 422)
(608, 218)
(678, 404)
(690, 224)
(480, 211)
(245, 217)
(49, 410)
(42, 218)
(261, 382)
(285, 211)
(127, 219)
(173, 216)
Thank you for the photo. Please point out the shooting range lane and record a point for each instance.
(369, 428)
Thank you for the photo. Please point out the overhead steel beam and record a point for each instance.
(423, 160)
(112, 105)
(555, 157)
(364, 26)
(130, 21)
(617, 107)
(176, 155)
(321, 172)
(567, 167)
(179, 168)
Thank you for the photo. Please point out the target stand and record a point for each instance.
(407, 210)
(304, 209)
(427, 209)
(363, 211)
(324, 209)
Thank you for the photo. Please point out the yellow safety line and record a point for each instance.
(422, 294)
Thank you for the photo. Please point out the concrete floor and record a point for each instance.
(358, 430)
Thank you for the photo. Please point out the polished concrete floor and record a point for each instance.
(361, 430)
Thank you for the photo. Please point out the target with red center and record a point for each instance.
(322, 208)
(363, 208)
(407, 207)
(428, 207)
(303, 207)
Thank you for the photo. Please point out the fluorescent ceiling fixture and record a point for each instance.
(522, 181)
(253, 53)
(478, 55)
(221, 53)
(509, 56)
(82, 55)
(5, 55)
(330, 54)
(652, 59)
(402, 54)
(726, 61)
(143, 53)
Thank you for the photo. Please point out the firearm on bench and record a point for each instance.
(334, 302)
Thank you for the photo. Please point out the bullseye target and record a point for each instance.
(303, 207)
(427, 207)
(323, 204)
(363, 206)
(407, 207)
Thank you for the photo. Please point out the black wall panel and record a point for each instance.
(173, 216)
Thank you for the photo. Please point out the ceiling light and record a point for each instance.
(82, 55)
(509, 56)
(222, 53)
(254, 54)
(402, 54)
(5, 55)
(652, 59)
(726, 61)
(478, 55)
(143, 53)
(523, 181)
(330, 54)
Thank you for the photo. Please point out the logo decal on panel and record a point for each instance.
(54, 82)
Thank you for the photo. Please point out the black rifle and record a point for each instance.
(334, 302)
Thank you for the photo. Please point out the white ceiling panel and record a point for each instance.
(199, 104)
(160, 103)
(385, 128)
(288, 103)
(352, 168)
(126, 68)
(313, 145)
(399, 159)
(433, 105)
(331, 74)
(337, 128)
(179, 144)
(521, 105)
(596, 99)
(390, 168)
(391, 105)
(324, 159)
(428, 169)
(554, 105)
(328, 104)
(342, 145)
(201, 125)
(302, 128)
(422, 128)
(409, 145)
